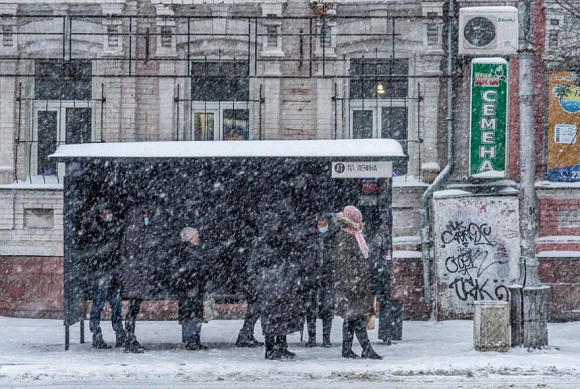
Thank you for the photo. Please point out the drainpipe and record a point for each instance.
(446, 172)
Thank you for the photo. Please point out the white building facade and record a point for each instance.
(188, 70)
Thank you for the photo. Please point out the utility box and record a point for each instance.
(491, 326)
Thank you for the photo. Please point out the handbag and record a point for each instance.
(372, 319)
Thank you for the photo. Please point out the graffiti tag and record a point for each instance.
(467, 234)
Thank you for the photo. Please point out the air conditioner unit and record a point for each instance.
(488, 30)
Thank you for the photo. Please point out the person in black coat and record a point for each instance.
(318, 282)
(273, 272)
(193, 276)
(103, 239)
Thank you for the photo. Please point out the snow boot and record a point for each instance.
(100, 344)
(347, 338)
(272, 349)
(363, 338)
(283, 347)
(247, 340)
(121, 339)
(133, 346)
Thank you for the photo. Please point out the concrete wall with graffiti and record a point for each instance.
(477, 247)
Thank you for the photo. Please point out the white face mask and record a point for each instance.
(109, 217)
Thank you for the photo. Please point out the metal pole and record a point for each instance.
(534, 295)
(446, 172)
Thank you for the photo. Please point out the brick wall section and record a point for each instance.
(563, 275)
(407, 285)
(549, 222)
(31, 287)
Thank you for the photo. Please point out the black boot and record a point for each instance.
(100, 344)
(363, 338)
(272, 349)
(133, 346)
(311, 325)
(283, 348)
(121, 339)
(347, 337)
(326, 326)
(247, 340)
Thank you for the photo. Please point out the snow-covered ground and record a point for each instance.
(432, 355)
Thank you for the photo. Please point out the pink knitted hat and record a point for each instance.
(353, 214)
(187, 233)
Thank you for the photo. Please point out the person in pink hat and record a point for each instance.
(353, 296)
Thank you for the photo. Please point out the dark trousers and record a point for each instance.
(312, 310)
(131, 318)
(356, 327)
(250, 318)
(106, 289)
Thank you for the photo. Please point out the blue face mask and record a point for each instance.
(323, 229)
(146, 221)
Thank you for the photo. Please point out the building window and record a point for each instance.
(553, 39)
(113, 35)
(60, 80)
(325, 34)
(220, 92)
(372, 78)
(55, 124)
(166, 36)
(7, 36)
(432, 34)
(378, 107)
(272, 32)
(555, 22)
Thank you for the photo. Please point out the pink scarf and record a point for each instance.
(360, 239)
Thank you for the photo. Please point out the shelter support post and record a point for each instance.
(82, 330)
(384, 298)
(66, 337)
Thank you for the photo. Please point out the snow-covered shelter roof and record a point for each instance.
(356, 148)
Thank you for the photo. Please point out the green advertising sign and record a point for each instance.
(489, 106)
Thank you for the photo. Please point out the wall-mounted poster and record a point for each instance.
(564, 119)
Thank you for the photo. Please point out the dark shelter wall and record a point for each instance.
(226, 200)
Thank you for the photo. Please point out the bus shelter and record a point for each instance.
(220, 188)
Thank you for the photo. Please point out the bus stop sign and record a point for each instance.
(362, 169)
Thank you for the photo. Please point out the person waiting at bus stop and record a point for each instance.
(140, 240)
(272, 269)
(317, 281)
(353, 296)
(193, 275)
(103, 255)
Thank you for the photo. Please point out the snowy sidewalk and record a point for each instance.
(438, 355)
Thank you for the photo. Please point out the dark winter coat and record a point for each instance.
(141, 246)
(325, 263)
(193, 275)
(352, 291)
(273, 271)
(102, 241)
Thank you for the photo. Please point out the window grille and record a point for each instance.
(432, 34)
(8, 36)
(113, 35)
(220, 81)
(63, 80)
(166, 36)
(374, 81)
(272, 32)
(325, 35)
(553, 39)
